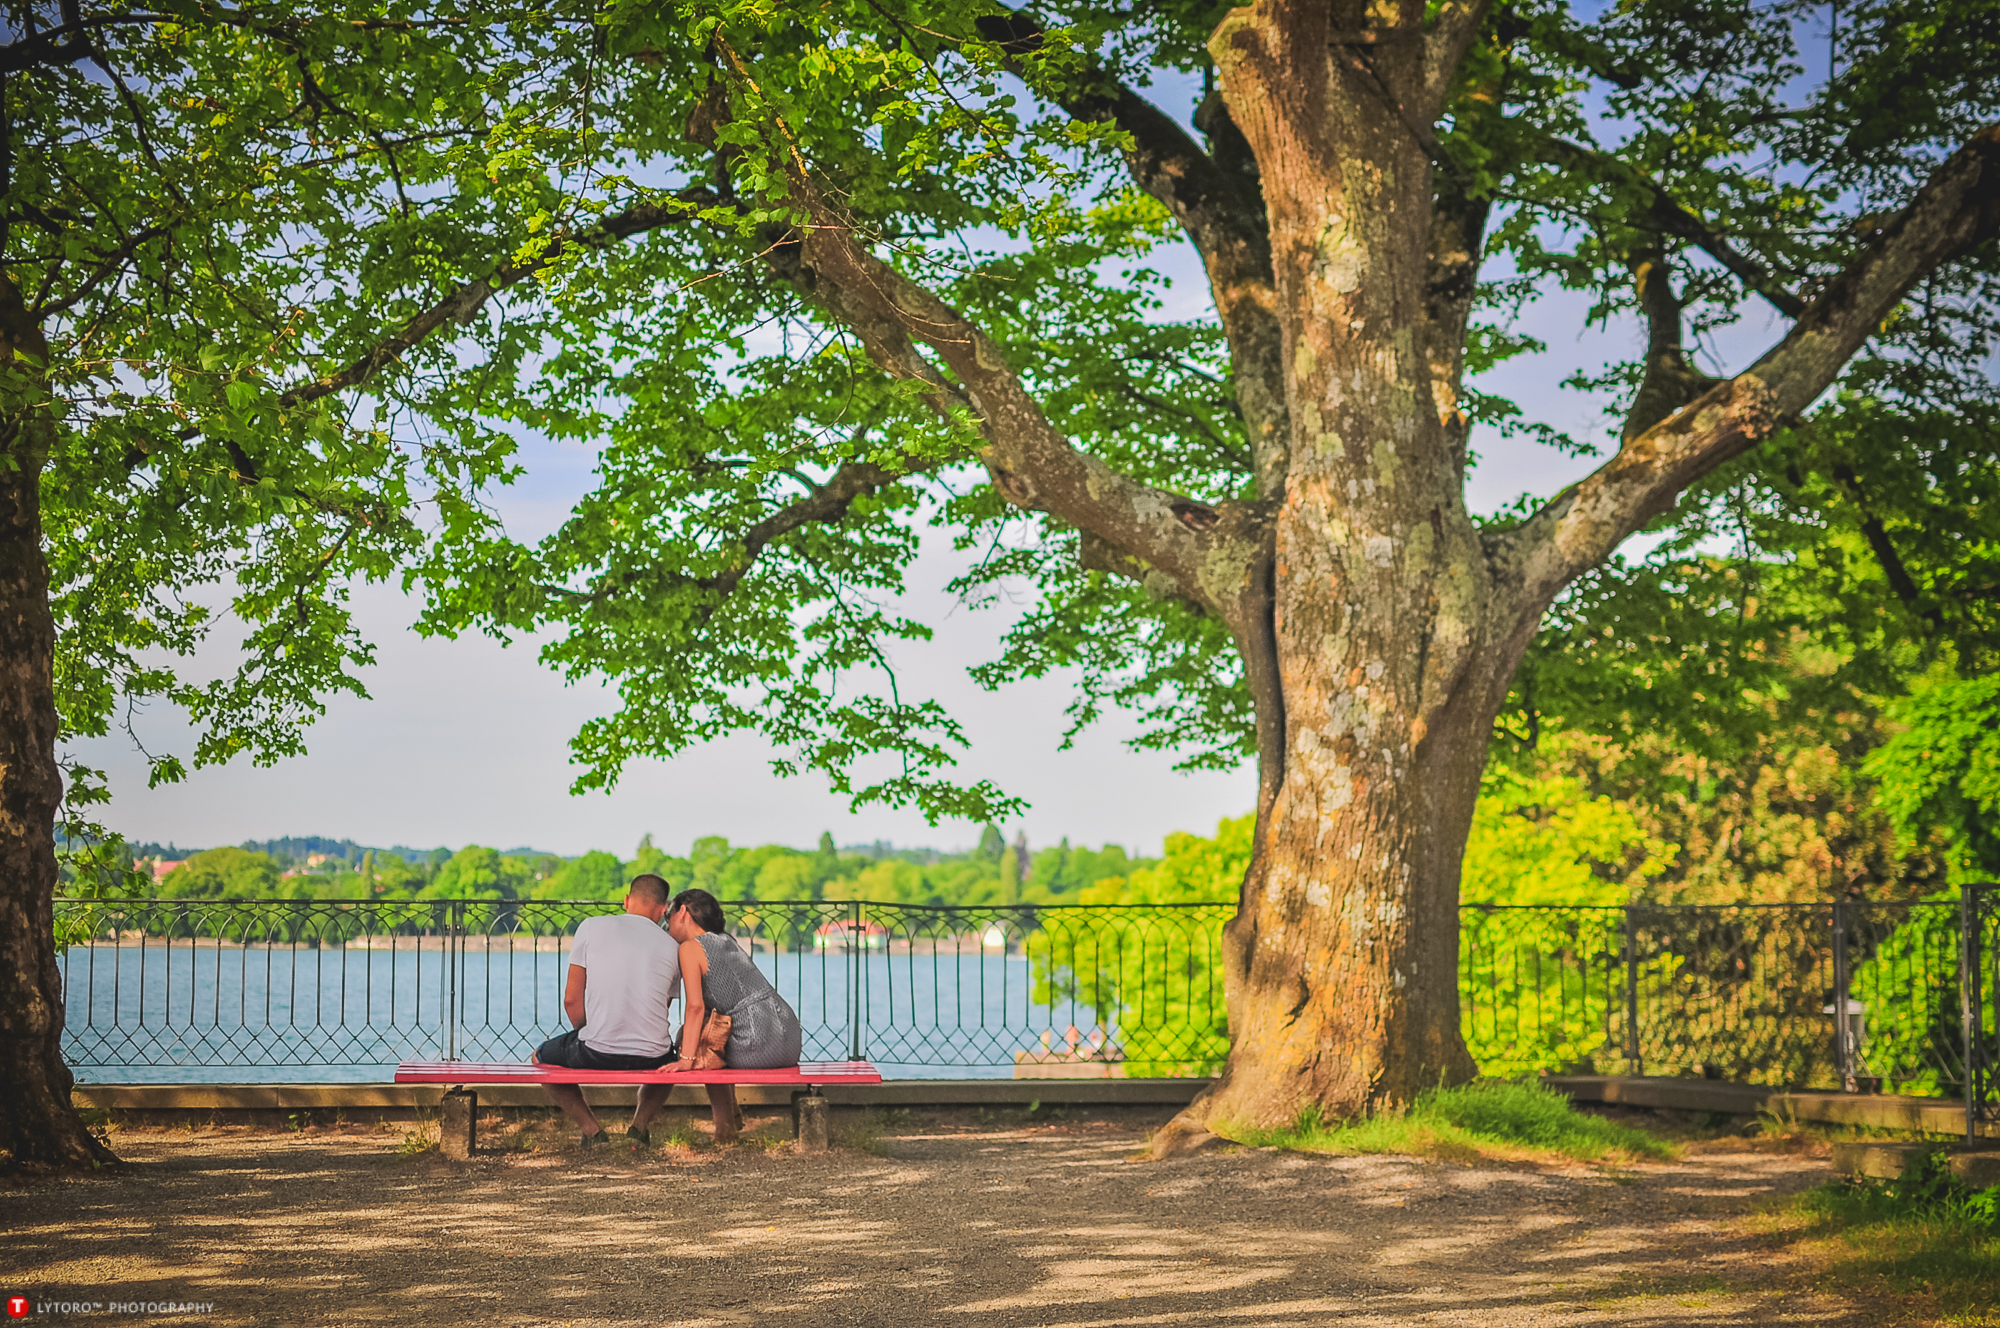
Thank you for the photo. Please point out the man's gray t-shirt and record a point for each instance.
(632, 972)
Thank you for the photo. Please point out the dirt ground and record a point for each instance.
(981, 1222)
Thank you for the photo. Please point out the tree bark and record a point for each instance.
(1341, 958)
(39, 1126)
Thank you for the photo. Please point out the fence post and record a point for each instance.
(1634, 1062)
(1843, 1042)
(454, 952)
(854, 962)
(1968, 996)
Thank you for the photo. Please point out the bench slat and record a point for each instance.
(805, 1075)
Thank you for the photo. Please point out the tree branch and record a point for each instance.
(1219, 208)
(1208, 550)
(1458, 230)
(1669, 381)
(1669, 216)
(1451, 34)
(464, 302)
(825, 504)
(1957, 209)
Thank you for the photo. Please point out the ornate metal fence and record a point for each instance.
(1859, 995)
(1890, 997)
(269, 987)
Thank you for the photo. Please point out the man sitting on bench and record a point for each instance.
(624, 972)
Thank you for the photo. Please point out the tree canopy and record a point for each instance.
(815, 280)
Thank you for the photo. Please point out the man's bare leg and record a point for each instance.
(722, 1106)
(651, 1098)
(570, 1098)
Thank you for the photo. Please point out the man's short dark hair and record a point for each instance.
(701, 906)
(649, 889)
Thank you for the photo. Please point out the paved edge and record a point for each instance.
(223, 1099)
(1931, 1115)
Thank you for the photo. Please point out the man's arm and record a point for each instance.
(573, 996)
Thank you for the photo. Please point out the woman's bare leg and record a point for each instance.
(722, 1106)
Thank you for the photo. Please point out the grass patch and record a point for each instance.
(1473, 1121)
(1925, 1234)
(419, 1141)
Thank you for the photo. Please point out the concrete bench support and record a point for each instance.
(1977, 1166)
(811, 1117)
(458, 1124)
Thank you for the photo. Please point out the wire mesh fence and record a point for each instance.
(1891, 996)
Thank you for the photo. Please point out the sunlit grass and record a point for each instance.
(1925, 1234)
(1477, 1120)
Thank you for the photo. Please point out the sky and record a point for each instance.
(466, 741)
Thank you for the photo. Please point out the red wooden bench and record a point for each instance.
(461, 1106)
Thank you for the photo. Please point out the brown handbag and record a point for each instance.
(714, 1041)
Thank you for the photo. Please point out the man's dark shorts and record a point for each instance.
(571, 1053)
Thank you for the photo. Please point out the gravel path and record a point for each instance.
(977, 1226)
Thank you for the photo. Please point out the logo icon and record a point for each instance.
(18, 1307)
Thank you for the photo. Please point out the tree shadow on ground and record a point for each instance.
(987, 1230)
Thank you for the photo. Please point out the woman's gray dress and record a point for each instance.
(763, 1030)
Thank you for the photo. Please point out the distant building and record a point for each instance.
(161, 866)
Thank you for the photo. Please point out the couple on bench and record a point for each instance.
(624, 972)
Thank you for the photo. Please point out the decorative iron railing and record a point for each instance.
(1899, 996)
(275, 986)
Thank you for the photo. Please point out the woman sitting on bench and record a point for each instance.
(717, 975)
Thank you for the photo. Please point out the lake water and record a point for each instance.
(208, 1013)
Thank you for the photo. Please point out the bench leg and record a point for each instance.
(810, 1121)
(458, 1124)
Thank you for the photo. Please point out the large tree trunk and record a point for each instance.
(1340, 961)
(39, 1127)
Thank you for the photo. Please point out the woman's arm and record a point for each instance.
(694, 967)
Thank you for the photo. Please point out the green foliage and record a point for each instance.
(1928, 1189)
(479, 873)
(1941, 772)
(1545, 839)
(223, 873)
(213, 218)
(595, 875)
(221, 216)
(1790, 816)
(1469, 1121)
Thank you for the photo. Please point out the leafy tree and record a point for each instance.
(1058, 873)
(788, 876)
(1549, 841)
(991, 844)
(390, 877)
(478, 873)
(1253, 528)
(595, 875)
(223, 873)
(217, 223)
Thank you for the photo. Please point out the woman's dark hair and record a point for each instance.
(701, 906)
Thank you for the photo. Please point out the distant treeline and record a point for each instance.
(295, 850)
(993, 873)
